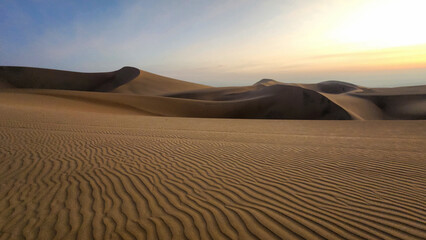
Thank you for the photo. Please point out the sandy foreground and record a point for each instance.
(69, 174)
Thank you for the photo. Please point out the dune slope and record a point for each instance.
(106, 176)
(375, 103)
(261, 106)
(26, 77)
(150, 84)
(279, 101)
(135, 91)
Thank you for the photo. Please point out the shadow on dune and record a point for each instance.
(272, 100)
(39, 78)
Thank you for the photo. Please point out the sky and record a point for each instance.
(374, 43)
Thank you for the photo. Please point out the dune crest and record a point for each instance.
(149, 84)
(39, 78)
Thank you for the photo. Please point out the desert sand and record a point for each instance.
(135, 90)
(133, 155)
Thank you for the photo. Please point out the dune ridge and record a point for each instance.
(151, 94)
(111, 176)
(149, 84)
(26, 77)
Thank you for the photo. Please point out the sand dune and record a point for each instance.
(110, 176)
(272, 101)
(376, 103)
(326, 100)
(25, 77)
(263, 106)
(110, 156)
(150, 84)
(151, 94)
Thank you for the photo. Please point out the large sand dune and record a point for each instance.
(156, 95)
(150, 84)
(151, 94)
(125, 80)
(111, 156)
(25, 77)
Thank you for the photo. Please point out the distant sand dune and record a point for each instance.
(375, 103)
(273, 101)
(25, 77)
(110, 176)
(150, 94)
(262, 106)
(150, 84)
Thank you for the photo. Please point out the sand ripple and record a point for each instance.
(164, 178)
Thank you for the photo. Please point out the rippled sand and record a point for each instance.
(70, 174)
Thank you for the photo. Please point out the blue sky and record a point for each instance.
(221, 43)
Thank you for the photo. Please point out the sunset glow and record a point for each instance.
(384, 23)
(223, 42)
